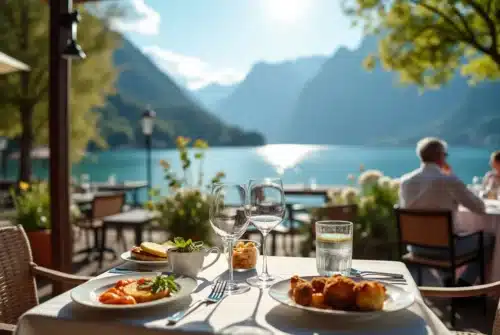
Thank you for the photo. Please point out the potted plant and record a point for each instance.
(32, 203)
(185, 209)
(186, 257)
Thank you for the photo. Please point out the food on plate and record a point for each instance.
(302, 294)
(131, 292)
(338, 292)
(318, 284)
(244, 255)
(149, 251)
(370, 295)
(294, 281)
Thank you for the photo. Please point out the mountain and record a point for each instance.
(212, 94)
(266, 97)
(476, 122)
(141, 83)
(345, 104)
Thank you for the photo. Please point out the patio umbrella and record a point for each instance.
(9, 64)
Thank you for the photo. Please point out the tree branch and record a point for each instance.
(489, 22)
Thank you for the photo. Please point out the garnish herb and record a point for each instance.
(161, 283)
(186, 246)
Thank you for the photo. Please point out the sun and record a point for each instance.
(286, 11)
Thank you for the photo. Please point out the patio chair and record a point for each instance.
(433, 229)
(18, 291)
(103, 205)
(491, 289)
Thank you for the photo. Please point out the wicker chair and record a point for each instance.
(492, 289)
(18, 292)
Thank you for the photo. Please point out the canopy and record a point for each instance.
(9, 64)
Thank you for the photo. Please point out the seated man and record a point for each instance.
(434, 187)
(491, 181)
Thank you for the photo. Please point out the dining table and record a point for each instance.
(253, 312)
(488, 222)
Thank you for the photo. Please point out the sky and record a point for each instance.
(200, 42)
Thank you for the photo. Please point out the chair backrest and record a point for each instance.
(337, 212)
(426, 228)
(107, 204)
(17, 284)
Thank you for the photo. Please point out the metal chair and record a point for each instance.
(18, 292)
(433, 229)
(103, 205)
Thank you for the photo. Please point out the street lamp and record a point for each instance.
(3, 146)
(148, 118)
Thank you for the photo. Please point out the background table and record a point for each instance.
(489, 222)
(254, 312)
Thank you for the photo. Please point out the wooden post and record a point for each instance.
(62, 244)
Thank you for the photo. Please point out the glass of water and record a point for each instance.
(333, 247)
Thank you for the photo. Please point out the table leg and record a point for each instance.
(136, 197)
(138, 234)
(273, 243)
(102, 246)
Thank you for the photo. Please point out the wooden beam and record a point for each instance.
(62, 244)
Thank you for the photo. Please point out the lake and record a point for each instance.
(296, 164)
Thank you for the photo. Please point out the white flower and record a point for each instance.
(349, 195)
(395, 184)
(369, 177)
(385, 182)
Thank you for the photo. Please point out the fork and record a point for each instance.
(215, 296)
(356, 272)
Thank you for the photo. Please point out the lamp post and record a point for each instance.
(3, 146)
(147, 129)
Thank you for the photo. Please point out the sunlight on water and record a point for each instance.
(287, 156)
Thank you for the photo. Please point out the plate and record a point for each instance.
(397, 299)
(88, 293)
(127, 257)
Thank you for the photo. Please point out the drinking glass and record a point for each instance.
(229, 223)
(333, 247)
(265, 208)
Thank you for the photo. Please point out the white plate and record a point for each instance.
(88, 293)
(397, 299)
(127, 257)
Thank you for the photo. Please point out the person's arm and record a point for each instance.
(464, 196)
(486, 179)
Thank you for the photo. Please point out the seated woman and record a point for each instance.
(491, 181)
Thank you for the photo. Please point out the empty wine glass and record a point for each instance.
(265, 208)
(229, 222)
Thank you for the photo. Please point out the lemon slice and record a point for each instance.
(154, 249)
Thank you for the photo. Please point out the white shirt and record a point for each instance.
(429, 188)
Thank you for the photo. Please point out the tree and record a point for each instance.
(427, 41)
(24, 31)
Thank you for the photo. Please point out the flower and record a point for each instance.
(200, 144)
(395, 184)
(24, 186)
(164, 164)
(384, 182)
(349, 195)
(369, 177)
(150, 205)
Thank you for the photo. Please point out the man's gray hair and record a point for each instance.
(429, 149)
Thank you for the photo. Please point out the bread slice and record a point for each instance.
(139, 254)
(154, 249)
(143, 295)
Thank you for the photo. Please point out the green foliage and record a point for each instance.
(160, 283)
(24, 27)
(185, 210)
(427, 41)
(182, 245)
(32, 206)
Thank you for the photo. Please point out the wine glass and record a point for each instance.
(229, 222)
(265, 208)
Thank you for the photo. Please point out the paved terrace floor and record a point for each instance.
(469, 317)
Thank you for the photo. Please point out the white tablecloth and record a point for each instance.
(251, 313)
(468, 221)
